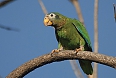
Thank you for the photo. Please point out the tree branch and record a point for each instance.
(29, 66)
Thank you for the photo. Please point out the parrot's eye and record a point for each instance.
(52, 15)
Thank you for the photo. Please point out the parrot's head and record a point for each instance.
(54, 19)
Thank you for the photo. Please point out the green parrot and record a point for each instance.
(71, 35)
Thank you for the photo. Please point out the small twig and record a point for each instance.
(76, 4)
(31, 65)
(114, 5)
(95, 72)
(8, 28)
(76, 69)
(43, 7)
(4, 2)
(0, 76)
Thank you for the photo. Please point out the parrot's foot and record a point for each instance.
(79, 49)
(55, 51)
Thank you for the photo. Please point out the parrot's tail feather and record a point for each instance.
(86, 67)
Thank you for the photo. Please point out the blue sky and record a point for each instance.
(34, 39)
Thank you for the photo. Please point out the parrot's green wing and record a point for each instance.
(85, 65)
(82, 31)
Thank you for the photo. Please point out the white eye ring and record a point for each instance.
(52, 15)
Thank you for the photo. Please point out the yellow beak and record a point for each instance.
(47, 22)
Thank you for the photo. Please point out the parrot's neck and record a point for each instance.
(61, 24)
(58, 27)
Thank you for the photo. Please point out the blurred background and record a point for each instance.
(29, 38)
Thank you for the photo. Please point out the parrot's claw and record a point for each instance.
(79, 49)
(55, 50)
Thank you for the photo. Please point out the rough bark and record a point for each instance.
(29, 66)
